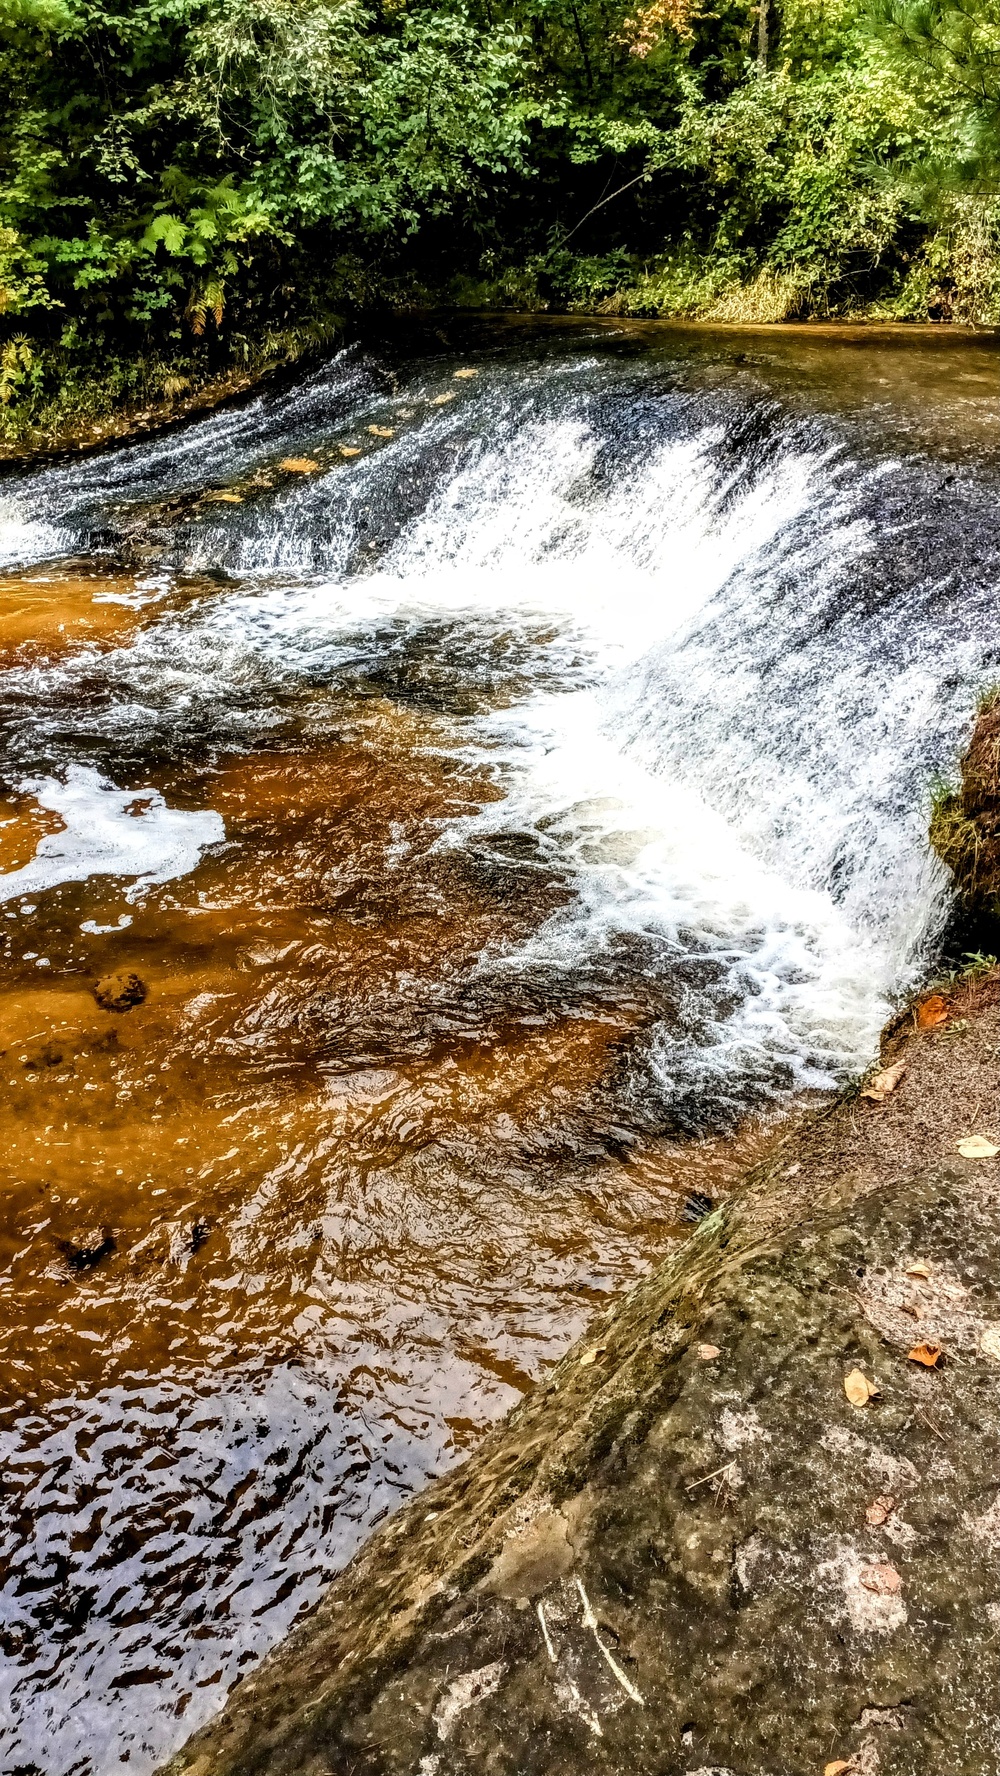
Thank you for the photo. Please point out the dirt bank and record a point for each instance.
(689, 1551)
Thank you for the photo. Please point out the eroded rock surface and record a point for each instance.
(673, 1562)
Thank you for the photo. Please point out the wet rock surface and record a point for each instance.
(965, 826)
(688, 1552)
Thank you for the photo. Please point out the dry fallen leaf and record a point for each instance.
(382, 431)
(708, 1352)
(592, 1355)
(978, 1147)
(838, 1766)
(880, 1510)
(931, 1012)
(918, 1269)
(928, 1354)
(439, 400)
(299, 465)
(350, 450)
(878, 1089)
(464, 375)
(881, 1578)
(989, 1342)
(858, 1388)
(230, 499)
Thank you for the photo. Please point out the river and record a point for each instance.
(503, 755)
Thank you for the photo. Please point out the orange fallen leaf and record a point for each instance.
(918, 1269)
(882, 1579)
(858, 1388)
(880, 1510)
(931, 1012)
(439, 400)
(349, 450)
(708, 1352)
(838, 1766)
(382, 431)
(878, 1089)
(299, 465)
(928, 1354)
(464, 375)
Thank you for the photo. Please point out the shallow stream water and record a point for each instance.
(503, 754)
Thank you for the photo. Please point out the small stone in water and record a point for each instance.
(119, 992)
(708, 1352)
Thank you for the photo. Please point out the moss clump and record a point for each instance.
(965, 821)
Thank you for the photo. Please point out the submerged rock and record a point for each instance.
(119, 992)
(965, 823)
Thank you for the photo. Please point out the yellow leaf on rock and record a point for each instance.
(927, 1354)
(881, 1578)
(878, 1089)
(978, 1147)
(918, 1269)
(989, 1342)
(932, 1011)
(591, 1356)
(880, 1510)
(837, 1768)
(858, 1388)
(299, 465)
(464, 375)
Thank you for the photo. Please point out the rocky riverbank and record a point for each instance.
(703, 1545)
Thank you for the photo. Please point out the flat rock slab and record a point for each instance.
(671, 1562)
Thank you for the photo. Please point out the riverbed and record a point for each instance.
(502, 756)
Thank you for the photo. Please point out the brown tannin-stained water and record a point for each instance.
(505, 814)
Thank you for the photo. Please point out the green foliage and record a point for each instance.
(179, 176)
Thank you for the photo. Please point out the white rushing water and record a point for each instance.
(723, 768)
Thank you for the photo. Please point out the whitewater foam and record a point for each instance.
(108, 831)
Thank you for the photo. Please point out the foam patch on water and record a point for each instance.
(110, 832)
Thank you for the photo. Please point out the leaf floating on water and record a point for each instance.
(439, 400)
(708, 1352)
(350, 450)
(989, 1342)
(880, 1510)
(918, 1269)
(464, 375)
(299, 465)
(878, 1089)
(229, 499)
(927, 1354)
(382, 431)
(978, 1147)
(931, 1012)
(881, 1578)
(858, 1388)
